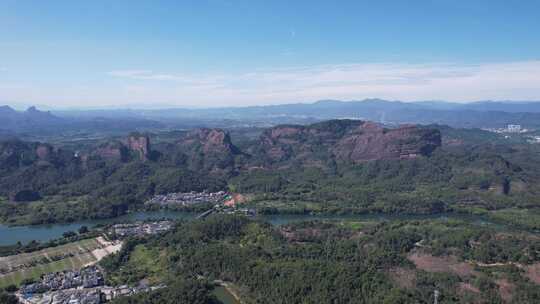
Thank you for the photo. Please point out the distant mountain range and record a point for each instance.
(35, 121)
(476, 114)
(29, 119)
(468, 115)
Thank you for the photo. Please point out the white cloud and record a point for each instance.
(407, 82)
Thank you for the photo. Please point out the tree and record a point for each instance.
(8, 299)
(69, 234)
(83, 230)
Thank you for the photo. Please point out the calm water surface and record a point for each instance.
(43, 233)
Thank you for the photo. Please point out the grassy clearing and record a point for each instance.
(76, 255)
(143, 262)
(355, 225)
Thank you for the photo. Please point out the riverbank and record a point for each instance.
(43, 233)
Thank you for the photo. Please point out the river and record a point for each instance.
(42, 233)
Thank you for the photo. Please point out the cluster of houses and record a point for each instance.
(139, 229)
(110, 293)
(67, 287)
(76, 287)
(70, 296)
(188, 198)
(87, 286)
(85, 278)
(238, 211)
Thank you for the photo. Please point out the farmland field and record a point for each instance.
(33, 265)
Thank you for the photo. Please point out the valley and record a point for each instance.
(410, 211)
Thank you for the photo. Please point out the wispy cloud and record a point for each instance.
(147, 75)
(407, 82)
(456, 82)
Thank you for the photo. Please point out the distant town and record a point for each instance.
(509, 129)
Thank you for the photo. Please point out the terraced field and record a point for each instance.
(32, 265)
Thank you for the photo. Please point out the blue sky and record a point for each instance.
(212, 53)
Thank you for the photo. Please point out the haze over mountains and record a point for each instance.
(474, 115)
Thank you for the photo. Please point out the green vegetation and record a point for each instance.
(179, 291)
(6, 298)
(143, 262)
(525, 219)
(476, 172)
(338, 262)
(472, 181)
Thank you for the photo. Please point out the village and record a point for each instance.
(139, 229)
(77, 287)
(87, 285)
(188, 198)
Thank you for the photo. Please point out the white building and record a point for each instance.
(514, 128)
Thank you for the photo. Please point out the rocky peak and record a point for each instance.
(208, 150)
(140, 144)
(44, 151)
(211, 140)
(32, 109)
(7, 110)
(135, 144)
(33, 112)
(345, 140)
(372, 142)
(112, 150)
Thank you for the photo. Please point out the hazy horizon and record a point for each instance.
(149, 106)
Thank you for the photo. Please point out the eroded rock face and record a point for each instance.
(372, 142)
(208, 149)
(111, 151)
(211, 140)
(346, 140)
(134, 146)
(15, 153)
(140, 144)
(43, 151)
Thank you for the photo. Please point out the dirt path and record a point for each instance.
(106, 249)
(230, 289)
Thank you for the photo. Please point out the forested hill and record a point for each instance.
(344, 166)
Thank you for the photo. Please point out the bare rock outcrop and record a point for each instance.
(139, 144)
(208, 149)
(345, 140)
(372, 142)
